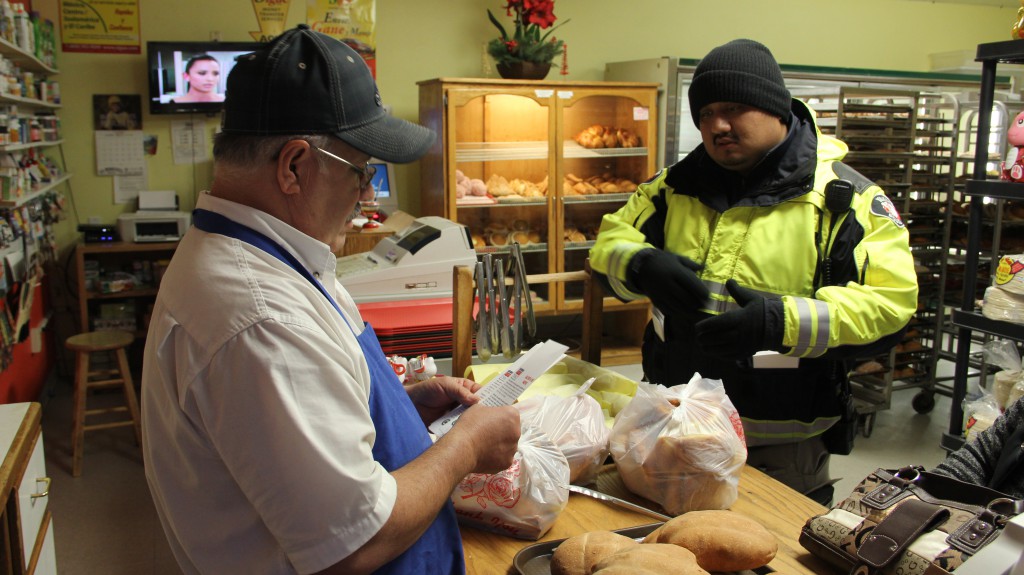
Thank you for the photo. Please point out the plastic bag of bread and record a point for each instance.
(681, 447)
(522, 501)
(575, 424)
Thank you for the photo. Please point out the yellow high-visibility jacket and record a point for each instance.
(846, 278)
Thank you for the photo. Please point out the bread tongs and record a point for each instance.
(616, 501)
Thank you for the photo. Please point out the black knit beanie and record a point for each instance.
(741, 71)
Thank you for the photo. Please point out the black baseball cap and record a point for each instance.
(305, 82)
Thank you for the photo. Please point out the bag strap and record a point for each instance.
(900, 528)
(941, 489)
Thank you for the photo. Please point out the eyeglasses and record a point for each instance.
(365, 174)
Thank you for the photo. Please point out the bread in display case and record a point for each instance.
(539, 163)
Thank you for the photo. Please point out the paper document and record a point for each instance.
(506, 387)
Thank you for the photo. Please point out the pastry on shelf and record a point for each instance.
(498, 239)
(600, 136)
(626, 138)
(523, 237)
(498, 186)
(592, 137)
(571, 234)
(543, 186)
(585, 188)
(478, 240)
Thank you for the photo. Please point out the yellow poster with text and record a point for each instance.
(100, 26)
(351, 21)
(271, 15)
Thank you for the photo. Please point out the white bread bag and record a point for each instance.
(681, 447)
(577, 426)
(522, 501)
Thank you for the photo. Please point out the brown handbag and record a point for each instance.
(908, 521)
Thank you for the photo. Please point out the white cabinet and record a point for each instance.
(27, 527)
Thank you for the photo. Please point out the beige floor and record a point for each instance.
(105, 522)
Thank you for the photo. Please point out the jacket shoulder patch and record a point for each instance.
(882, 206)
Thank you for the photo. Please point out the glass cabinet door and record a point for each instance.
(608, 141)
(502, 174)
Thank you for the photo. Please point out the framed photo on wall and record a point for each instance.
(117, 111)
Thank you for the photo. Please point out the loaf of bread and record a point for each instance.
(653, 558)
(578, 555)
(721, 540)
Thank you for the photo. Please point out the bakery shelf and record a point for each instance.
(996, 189)
(597, 198)
(498, 151)
(572, 149)
(579, 245)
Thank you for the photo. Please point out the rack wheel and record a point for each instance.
(867, 424)
(924, 402)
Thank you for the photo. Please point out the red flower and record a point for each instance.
(531, 38)
(539, 12)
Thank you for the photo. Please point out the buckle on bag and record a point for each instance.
(885, 496)
(976, 533)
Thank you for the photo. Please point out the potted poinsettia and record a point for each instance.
(526, 52)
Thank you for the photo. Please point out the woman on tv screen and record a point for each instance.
(202, 76)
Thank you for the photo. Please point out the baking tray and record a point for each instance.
(536, 559)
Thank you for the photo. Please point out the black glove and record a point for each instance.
(740, 333)
(669, 281)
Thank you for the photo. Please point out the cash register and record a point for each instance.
(412, 264)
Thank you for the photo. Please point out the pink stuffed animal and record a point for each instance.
(1012, 168)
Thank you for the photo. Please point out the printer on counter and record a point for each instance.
(156, 220)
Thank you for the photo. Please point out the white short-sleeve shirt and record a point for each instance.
(257, 434)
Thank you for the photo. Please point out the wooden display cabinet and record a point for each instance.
(522, 134)
(114, 259)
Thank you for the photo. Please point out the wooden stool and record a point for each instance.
(83, 345)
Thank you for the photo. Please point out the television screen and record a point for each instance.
(187, 77)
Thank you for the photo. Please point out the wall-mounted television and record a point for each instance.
(190, 77)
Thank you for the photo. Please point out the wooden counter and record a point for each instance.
(780, 509)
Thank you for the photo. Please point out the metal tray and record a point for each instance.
(536, 559)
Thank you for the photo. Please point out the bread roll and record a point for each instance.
(522, 237)
(722, 540)
(577, 555)
(654, 558)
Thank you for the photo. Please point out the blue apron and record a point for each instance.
(401, 436)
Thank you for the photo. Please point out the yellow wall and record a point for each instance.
(422, 39)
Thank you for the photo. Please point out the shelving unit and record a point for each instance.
(898, 139)
(524, 133)
(954, 280)
(117, 257)
(967, 319)
(34, 174)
